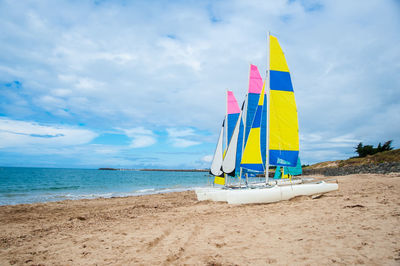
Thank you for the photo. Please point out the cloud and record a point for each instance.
(20, 134)
(142, 141)
(207, 158)
(182, 138)
(141, 137)
(183, 143)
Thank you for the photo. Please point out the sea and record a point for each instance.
(20, 185)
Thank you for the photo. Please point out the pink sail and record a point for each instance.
(233, 107)
(255, 81)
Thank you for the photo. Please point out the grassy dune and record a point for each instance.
(381, 157)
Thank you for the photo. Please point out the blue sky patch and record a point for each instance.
(112, 139)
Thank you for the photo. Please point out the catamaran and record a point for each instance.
(265, 133)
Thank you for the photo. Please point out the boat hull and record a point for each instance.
(284, 182)
(220, 194)
(213, 194)
(277, 193)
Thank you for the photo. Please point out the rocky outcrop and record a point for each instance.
(381, 168)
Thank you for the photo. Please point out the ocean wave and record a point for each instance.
(53, 188)
(144, 190)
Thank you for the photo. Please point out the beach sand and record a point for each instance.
(359, 224)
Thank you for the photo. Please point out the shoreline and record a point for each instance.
(19, 186)
(108, 195)
(355, 225)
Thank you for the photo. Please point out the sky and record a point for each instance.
(142, 84)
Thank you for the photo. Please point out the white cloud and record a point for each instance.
(141, 137)
(182, 138)
(19, 134)
(133, 132)
(142, 141)
(176, 133)
(207, 158)
(183, 143)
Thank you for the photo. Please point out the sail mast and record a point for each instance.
(226, 135)
(268, 112)
(246, 99)
(244, 117)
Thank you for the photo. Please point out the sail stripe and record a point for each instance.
(283, 158)
(280, 81)
(232, 119)
(233, 111)
(255, 166)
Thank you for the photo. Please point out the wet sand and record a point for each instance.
(359, 224)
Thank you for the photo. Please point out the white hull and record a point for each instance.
(280, 182)
(278, 193)
(214, 194)
(220, 193)
(202, 193)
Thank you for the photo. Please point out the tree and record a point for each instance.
(370, 150)
(387, 146)
(359, 149)
(379, 149)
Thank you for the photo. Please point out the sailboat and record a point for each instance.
(232, 117)
(270, 138)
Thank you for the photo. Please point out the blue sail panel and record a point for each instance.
(239, 148)
(278, 174)
(251, 109)
(263, 139)
(294, 170)
(283, 158)
(253, 166)
(232, 119)
(280, 81)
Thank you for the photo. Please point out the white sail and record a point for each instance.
(229, 163)
(217, 160)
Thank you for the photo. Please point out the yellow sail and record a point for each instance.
(283, 127)
(252, 158)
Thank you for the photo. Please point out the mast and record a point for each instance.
(244, 117)
(268, 111)
(244, 127)
(226, 134)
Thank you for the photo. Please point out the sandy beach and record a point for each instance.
(359, 224)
